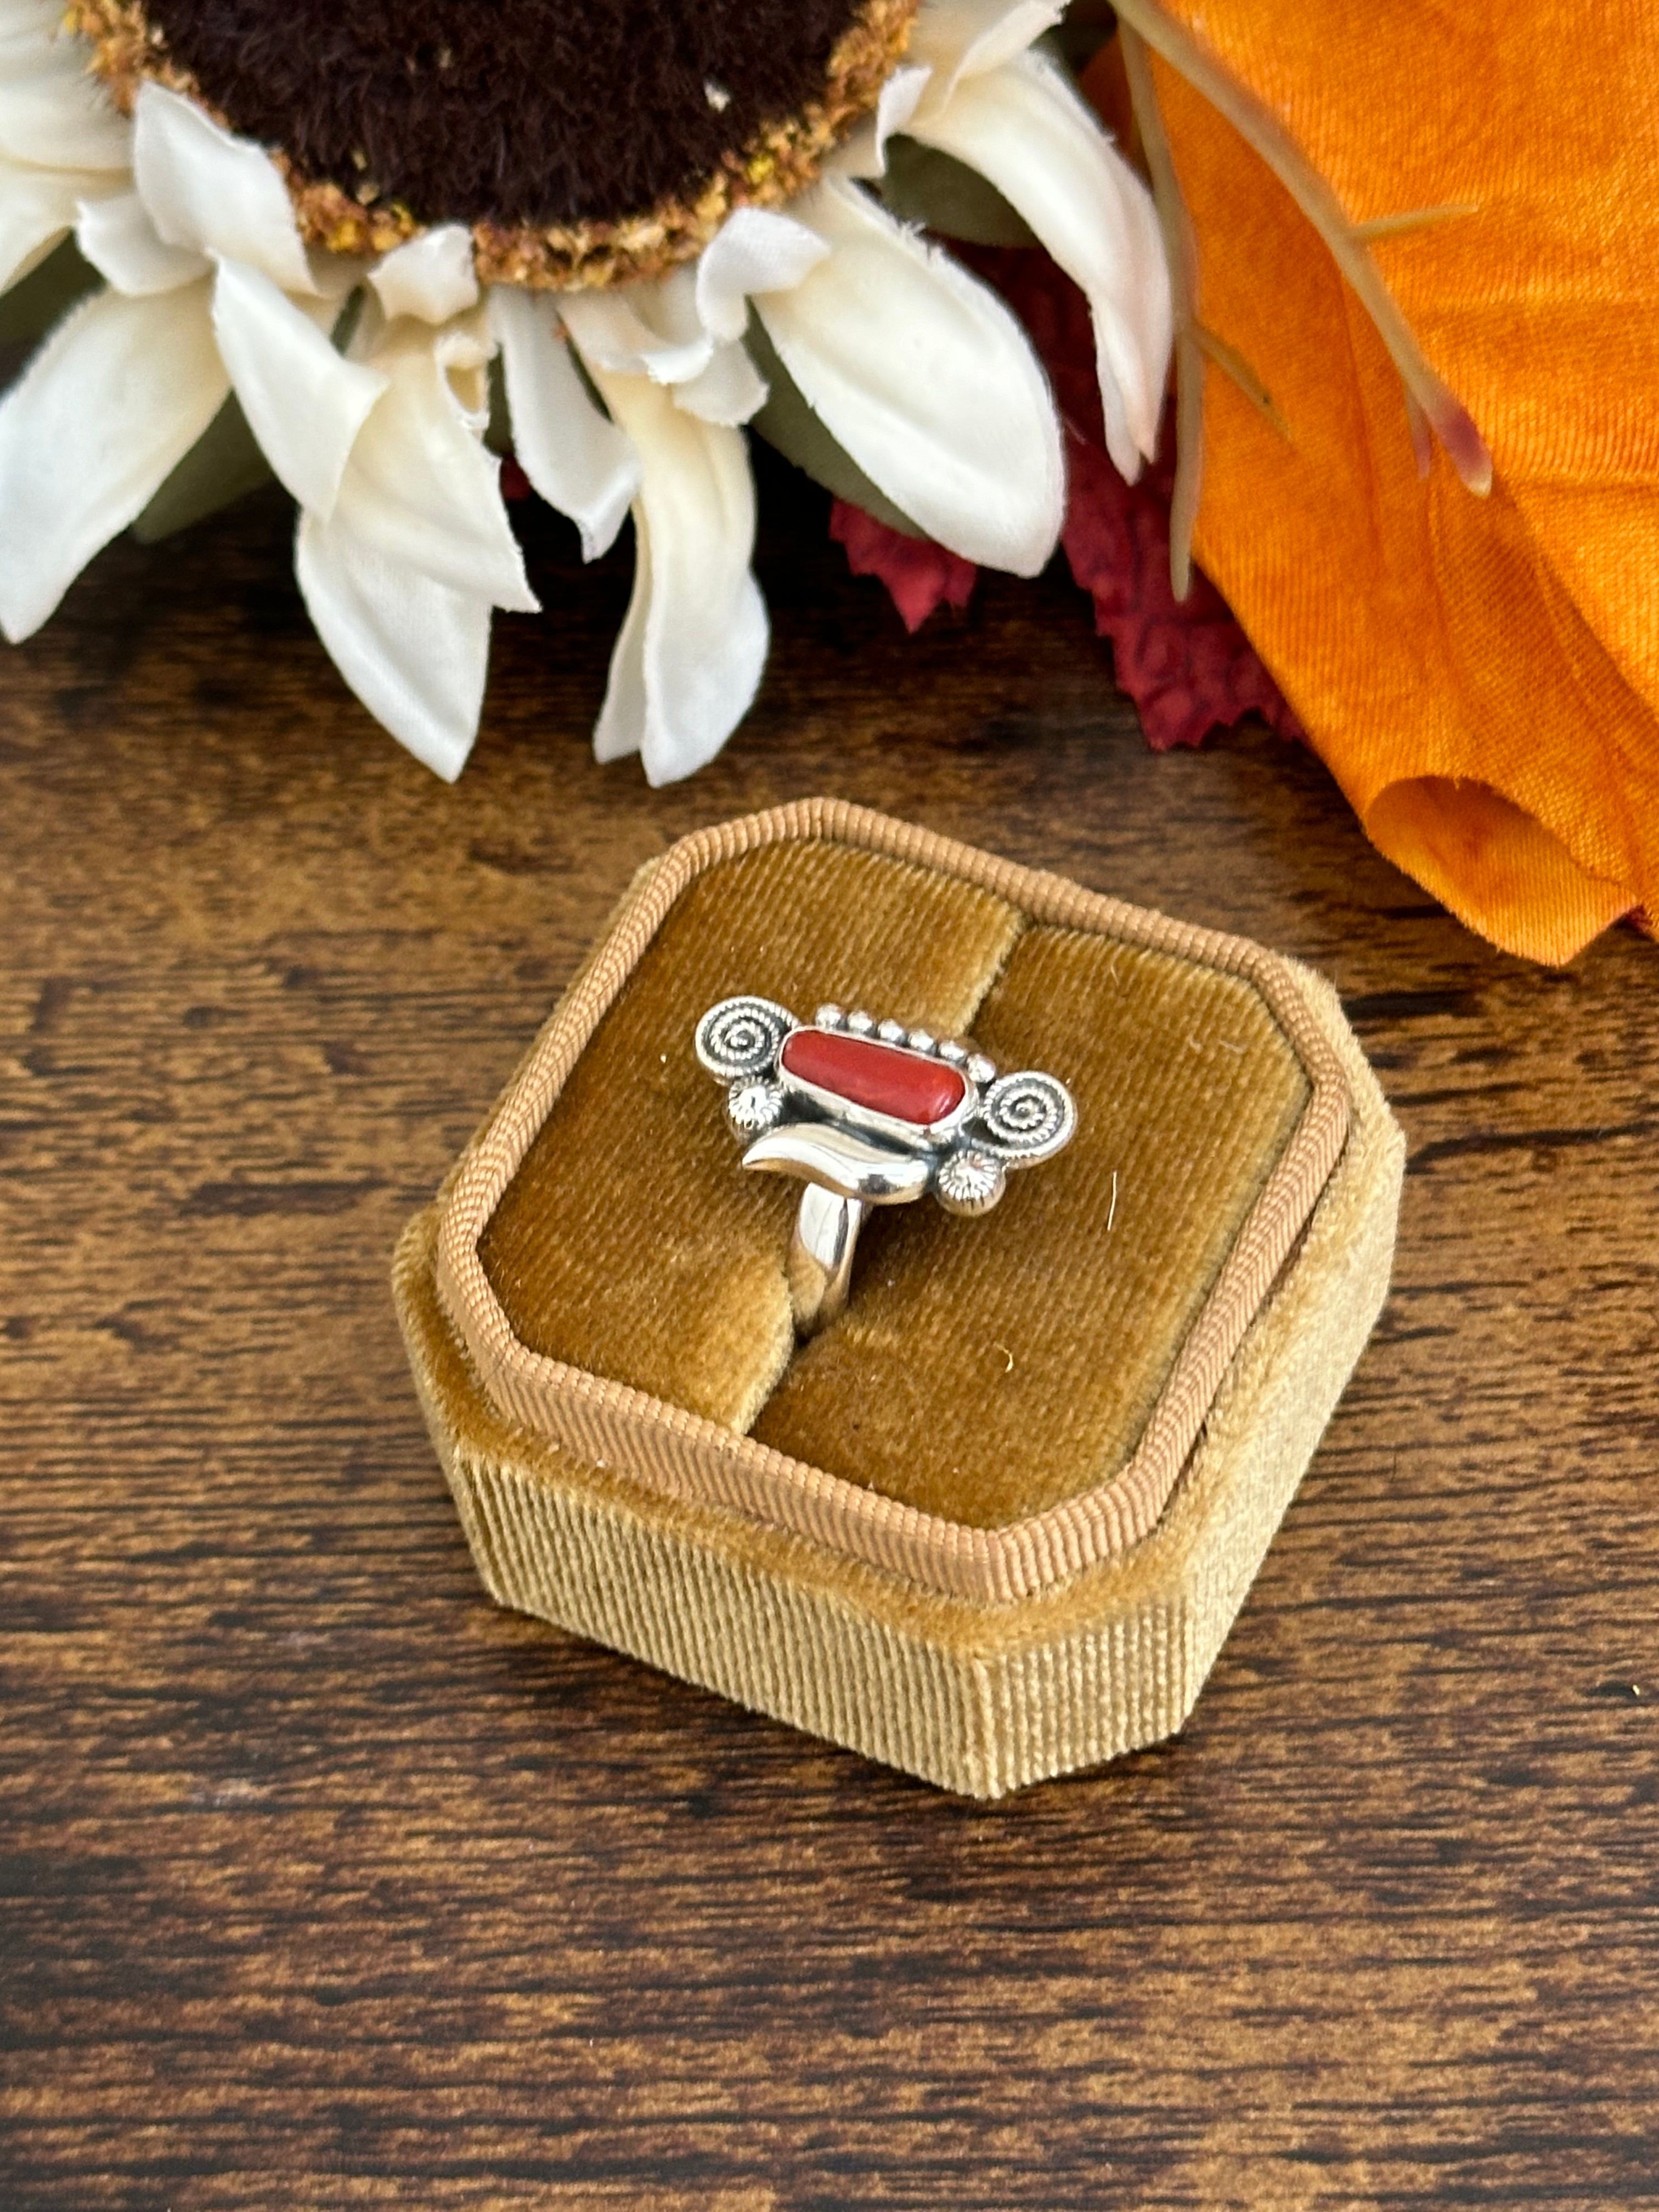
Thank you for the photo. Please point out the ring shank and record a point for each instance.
(821, 1248)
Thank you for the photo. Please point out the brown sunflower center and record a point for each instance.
(523, 114)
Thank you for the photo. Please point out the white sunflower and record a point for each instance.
(358, 342)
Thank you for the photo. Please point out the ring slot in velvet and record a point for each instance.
(986, 1370)
(628, 1244)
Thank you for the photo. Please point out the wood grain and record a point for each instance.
(322, 1883)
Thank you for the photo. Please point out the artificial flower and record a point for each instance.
(636, 236)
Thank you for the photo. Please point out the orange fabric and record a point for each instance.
(1482, 676)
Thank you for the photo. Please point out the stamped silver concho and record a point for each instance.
(869, 1113)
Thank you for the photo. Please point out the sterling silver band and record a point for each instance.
(820, 1265)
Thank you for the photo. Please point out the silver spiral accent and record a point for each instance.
(1025, 1117)
(743, 1037)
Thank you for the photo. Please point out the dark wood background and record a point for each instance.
(323, 1883)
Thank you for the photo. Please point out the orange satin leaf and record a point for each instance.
(1481, 675)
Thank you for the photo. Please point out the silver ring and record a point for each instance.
(869, 1113)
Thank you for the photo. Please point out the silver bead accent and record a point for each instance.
(980, 1070)
(890, 1032)
(921, 1040)
(955, 1053)
(969, 1182)
(752, 1108)
(860, 1023)
(829, 1017)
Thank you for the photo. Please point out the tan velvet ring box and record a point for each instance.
(995, 1523)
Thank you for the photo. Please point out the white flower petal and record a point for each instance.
(304, 403)
(463, 351)
(753, 251)
(416, 652)
(29, 19)
(119, 240)
(1024, 128)
(420, 488)
(52, 112)
(432, 277)
(729, 391)
(577, 459)
(217, 193)
(956, 39)
(613, 334)
(334, 275)
(926, 381)
(39, 207)
(109, 406)
(865, 153)
(36, 20)
(685, 329)
(620, 730)
(691, 653)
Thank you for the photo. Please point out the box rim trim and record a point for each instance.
(690, 1456)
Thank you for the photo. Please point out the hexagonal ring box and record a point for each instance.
(993, 1521)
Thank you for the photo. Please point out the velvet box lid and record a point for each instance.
(995, 1523)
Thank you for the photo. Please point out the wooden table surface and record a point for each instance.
(323, 1883)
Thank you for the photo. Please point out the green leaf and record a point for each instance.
(924, 185)
(224, 464)
(46, 295)
(498, 431)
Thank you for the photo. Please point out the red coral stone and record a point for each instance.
(879, 1076)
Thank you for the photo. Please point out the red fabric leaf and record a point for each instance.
(1185, 664)
(919, 575)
